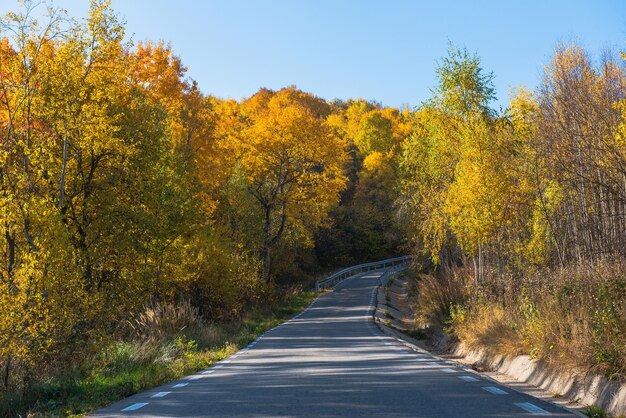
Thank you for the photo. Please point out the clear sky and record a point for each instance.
(385, 50)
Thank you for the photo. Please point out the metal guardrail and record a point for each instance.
(390, 272)
(398, 263)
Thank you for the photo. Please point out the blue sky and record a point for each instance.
(380, 50)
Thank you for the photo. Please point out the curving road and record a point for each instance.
(331, 360)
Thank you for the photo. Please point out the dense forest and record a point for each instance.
(125, 188)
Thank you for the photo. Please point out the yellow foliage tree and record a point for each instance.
(292, 162)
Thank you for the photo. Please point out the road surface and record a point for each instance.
(331, 360)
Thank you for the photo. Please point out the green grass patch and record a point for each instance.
(127, 367)
(595, 412)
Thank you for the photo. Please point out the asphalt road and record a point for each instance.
(331, 360)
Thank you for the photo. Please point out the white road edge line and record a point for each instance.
(180, 385)
(532, 408)
(135, 406)
(468, 378)
(448, 370)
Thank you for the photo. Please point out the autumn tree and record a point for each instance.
(450, 129)
(579, 138)
(293, 165)
(96, 192)
(364, 224)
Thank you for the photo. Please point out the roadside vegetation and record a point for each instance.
(148, 229)
(520, 212)
(161, 344)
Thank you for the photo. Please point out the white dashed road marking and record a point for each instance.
(160, 394)
(135, 406)
(495, 390)
(532, 408)
(404, 348)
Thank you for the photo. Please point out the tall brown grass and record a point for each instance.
(161, 320)
(573, 317)
(440, 293)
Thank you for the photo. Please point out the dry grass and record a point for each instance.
(161, 344)
(162, 320)
(438, 294)
(488, 326)
(578, 318)
(573, 317)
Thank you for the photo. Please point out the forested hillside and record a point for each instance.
(126, 192)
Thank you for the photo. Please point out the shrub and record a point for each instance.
(574, 316)
(438, 294)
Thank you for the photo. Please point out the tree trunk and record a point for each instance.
(266, 261)
(7, 373)
(480, 264)
(63, 170)
(475, 270)
(270, 239)
(10, 239)
(266, 256)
